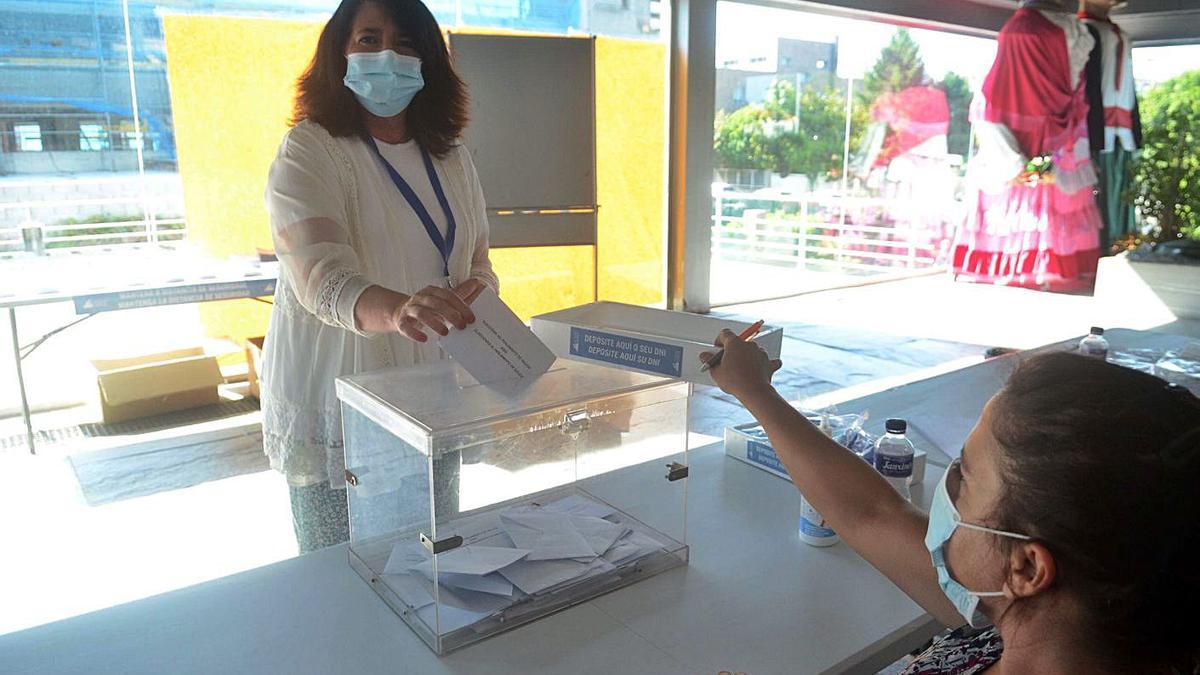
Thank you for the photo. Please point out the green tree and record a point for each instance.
(781, 100)
(958, 95)
(741, 138)
(898, 67)
(1167, 179)
(771, 136)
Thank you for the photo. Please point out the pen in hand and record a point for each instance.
(745, 336)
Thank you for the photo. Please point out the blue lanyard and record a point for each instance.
(444, 245)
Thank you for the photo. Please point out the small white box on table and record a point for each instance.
(645, 339)
(748, 443)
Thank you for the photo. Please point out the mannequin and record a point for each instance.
(907, 162)
(1114, 124)
(1032, 218)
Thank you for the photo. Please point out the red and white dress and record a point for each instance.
(1116, 86)
(1033, 103)
(907, 162)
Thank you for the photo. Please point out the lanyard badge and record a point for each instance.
(444, 245)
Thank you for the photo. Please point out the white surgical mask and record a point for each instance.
(943, 520)
(383, 82)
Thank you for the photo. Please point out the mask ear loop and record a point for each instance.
(1002, 533)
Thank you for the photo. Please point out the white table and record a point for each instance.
(754, 598)
(957, 398)
(133, 279)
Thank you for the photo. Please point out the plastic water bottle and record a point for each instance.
(813, 529)
(894, 456)
(1094, 344)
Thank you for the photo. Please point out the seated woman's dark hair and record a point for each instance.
(438, 113)
(1102, 464)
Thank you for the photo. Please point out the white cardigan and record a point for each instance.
(334, 216)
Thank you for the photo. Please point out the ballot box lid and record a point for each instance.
(438, 407)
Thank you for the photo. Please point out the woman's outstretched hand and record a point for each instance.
(745, 368)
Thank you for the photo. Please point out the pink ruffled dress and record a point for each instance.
(1033, 104)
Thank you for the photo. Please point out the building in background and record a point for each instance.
(65, 94)
(69, 141)
(746, 78)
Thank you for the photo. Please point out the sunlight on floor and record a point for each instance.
(72, 558)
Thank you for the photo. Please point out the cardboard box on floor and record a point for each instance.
(155, 384)
(254, 348)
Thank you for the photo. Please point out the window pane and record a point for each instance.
(614, 18)
(799, 205)
(1155, 65)
(29, 137)
(92, 137)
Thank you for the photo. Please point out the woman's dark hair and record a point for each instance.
(438, 113)
(1102, 464)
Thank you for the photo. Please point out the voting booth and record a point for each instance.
(475, 508)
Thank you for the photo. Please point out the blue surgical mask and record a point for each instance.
(383, 82)
(943, 520)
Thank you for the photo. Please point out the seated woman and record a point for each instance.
(1067, 537)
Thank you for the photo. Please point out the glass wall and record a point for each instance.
(89, 122)
(840, 147)
(132, 130)
(85, 107)
(1154, 65)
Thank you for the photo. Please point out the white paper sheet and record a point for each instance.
(476, 560)
(416, 590)
(457, 609)
(493, 583)
(498, 348)
(599, 533)
(449, 619)
(535, 576)
(623, 551)
(548, 536)
(636, 545)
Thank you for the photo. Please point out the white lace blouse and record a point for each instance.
(337, 222)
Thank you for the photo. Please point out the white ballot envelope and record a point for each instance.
(498, 347)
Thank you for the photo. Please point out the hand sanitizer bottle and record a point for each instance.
(813, 529)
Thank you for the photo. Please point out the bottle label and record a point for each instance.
(894, 466)
(811, 522)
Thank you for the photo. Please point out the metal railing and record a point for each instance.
(20, 229)
(823, 232)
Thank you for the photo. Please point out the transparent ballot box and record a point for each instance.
(476, 508)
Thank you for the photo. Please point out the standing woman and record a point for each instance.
(378, 220)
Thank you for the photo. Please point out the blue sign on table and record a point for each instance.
(620, 350)
(764, 456)
(174, 295)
